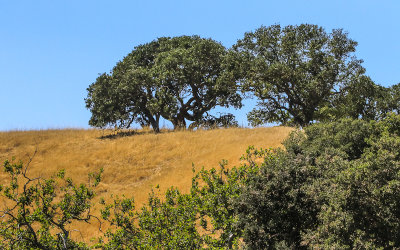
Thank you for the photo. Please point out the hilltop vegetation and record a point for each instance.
(299, 75)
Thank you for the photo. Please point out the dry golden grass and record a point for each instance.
(133, 165)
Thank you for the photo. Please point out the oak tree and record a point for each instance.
(179, 79)
(295, 71)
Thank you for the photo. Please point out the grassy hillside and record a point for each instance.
(133, 164)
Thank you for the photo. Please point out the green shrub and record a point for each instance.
(336, 186)
(37, 212)
(203, 218)
(169, 224)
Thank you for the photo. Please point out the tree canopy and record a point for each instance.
(179, 79)
(360, 99)
(296, 71)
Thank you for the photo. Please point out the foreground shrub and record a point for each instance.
(203, 218)
(169, 224)
(337, 185)
(37, 212)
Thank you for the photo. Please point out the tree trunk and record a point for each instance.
(155, 125)
(179, 122)
(154, 122)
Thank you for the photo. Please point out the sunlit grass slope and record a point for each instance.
(133, 164)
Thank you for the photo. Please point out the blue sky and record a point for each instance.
(50, 51)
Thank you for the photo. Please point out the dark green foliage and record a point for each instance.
(347, 137)
(36, 212)
(212, 122)
(193, 75)
(295, 71)
(336, 186)
(391, 101)
(300, 75)
(360, 99)
(179, 78)
(273, 208)
(104, 105)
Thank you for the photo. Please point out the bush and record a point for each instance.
(203, 218)
(37, 212)
(337, 185)
(169, 224)
(212, 122)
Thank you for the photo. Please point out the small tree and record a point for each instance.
(169, 224)
(295, 71)
(37, 212)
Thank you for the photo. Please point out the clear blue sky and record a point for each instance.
(50, 51)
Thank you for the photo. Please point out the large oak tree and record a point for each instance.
(179, 79)
(295, 71)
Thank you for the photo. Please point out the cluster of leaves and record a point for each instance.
(212, 122)
(203, 218)
(160, 224)
(335, 185)
(37, 212)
